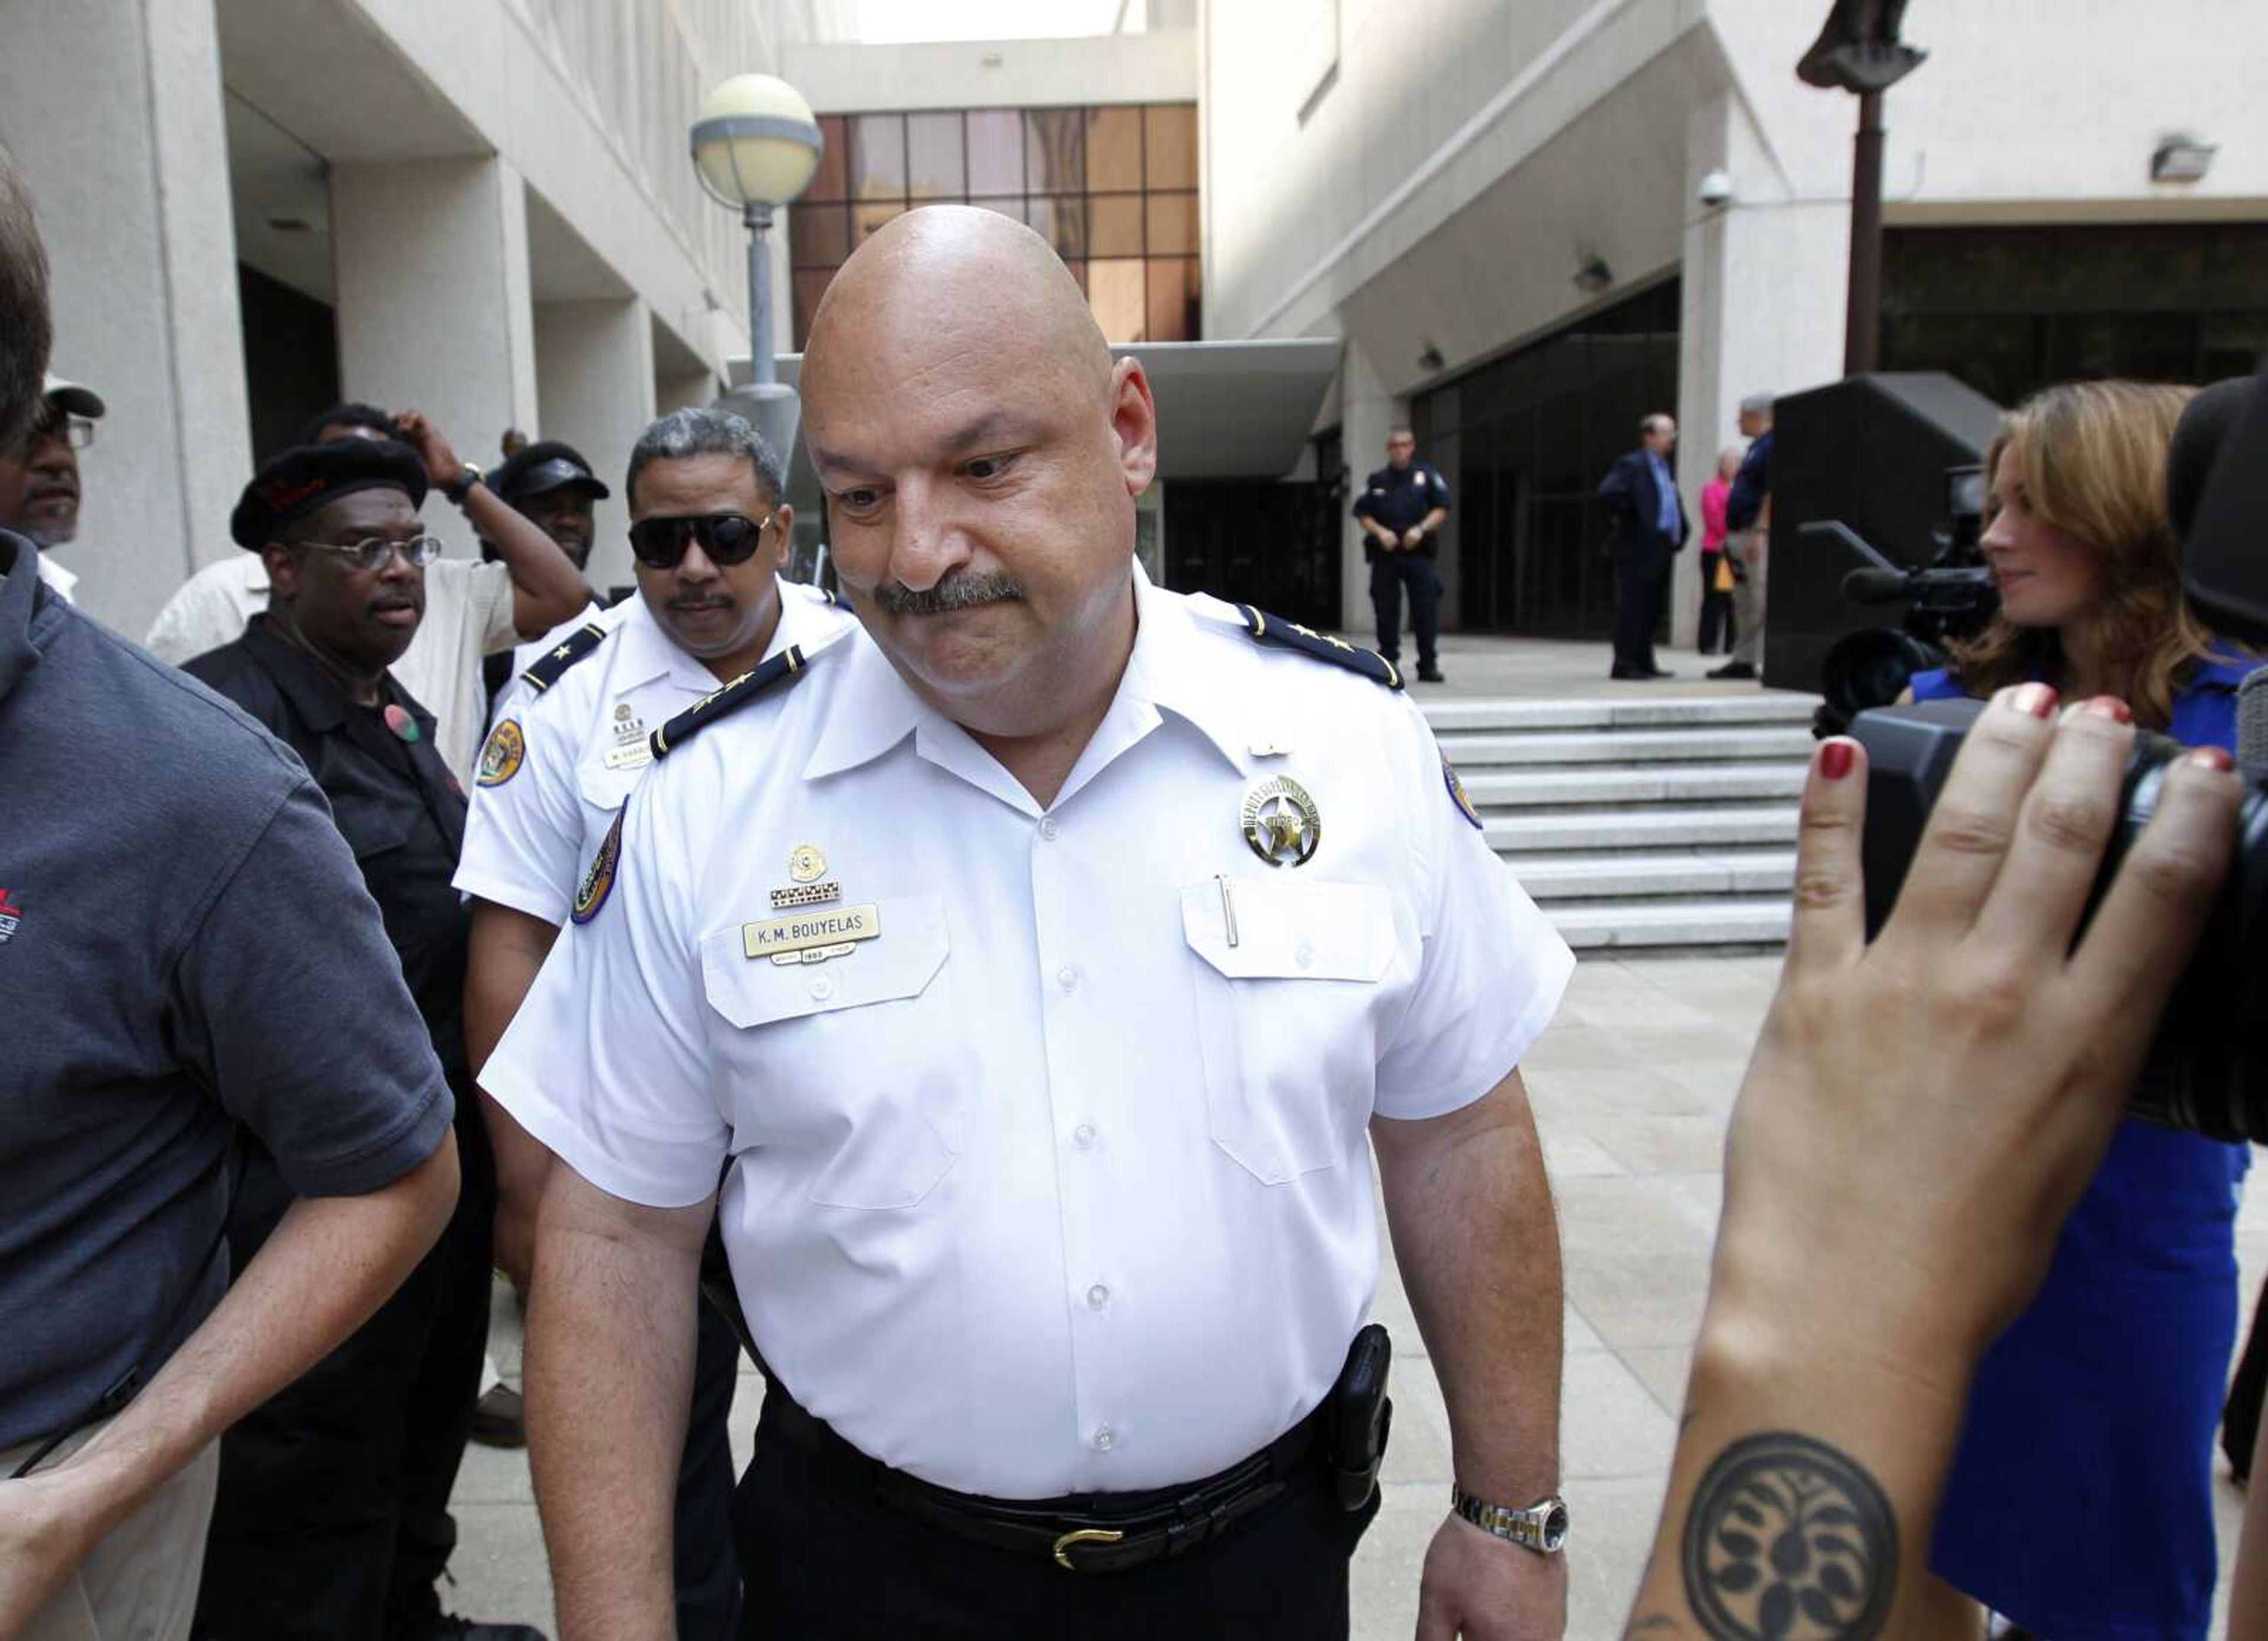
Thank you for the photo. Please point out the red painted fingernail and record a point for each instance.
(2215, 758)
(2037, 699)
(2112, 708)
(1835, 759)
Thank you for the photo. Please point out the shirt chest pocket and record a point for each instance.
(869, 1113)
(607, 779)
(1287, 987)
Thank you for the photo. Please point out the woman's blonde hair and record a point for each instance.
(2092, 457)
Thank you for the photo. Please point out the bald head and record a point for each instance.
(986, 279)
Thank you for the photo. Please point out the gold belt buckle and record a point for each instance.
(1083, 1535)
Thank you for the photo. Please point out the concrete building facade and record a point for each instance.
(483, 209)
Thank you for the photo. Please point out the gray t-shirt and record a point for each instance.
(185, 945)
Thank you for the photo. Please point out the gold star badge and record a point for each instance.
(1282, 823)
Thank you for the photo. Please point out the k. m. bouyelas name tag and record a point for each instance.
(783, 937)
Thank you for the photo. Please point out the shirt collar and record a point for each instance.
(649, 652)
(874, 710)
(61, 581)
(320, 700)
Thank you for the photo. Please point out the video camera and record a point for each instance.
(2201, 1074)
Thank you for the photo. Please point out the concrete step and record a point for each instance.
(1773, 706)
(1652, 826)
(1640, 875)
(1664, 782)
(1472, 750)
(1760, 921)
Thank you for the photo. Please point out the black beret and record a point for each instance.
(294, 484)
(545, 466)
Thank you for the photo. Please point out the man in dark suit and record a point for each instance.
(1648, 529)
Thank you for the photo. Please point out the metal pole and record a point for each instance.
(762, 368)
(1862, 324)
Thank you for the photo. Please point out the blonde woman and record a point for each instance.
(2079, 1503)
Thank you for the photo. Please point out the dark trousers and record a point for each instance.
(1642, 585)
(1716, 611)
(332, 1519)
(707, 1573)
(822, 1566)
(1389, 574)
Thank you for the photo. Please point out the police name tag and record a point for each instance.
(812, 937)
(635, 755)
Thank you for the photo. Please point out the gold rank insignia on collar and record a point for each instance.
(1282, 823)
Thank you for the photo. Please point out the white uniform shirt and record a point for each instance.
(582, 748)
(1054, 1185)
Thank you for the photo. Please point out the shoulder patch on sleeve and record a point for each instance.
(598, 881)
(787, 666)
(562, 655)
(1266, 628)
(1457, 793)
(505, 750)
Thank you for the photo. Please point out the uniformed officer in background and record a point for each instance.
(1400, 506)
(1045, 960)
(709, 530)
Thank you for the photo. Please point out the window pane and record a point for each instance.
(878, 157)
(869, 215)
(819, 235)
(1114, 150)
(810, 285)
(832, 179)
(1061, 223)
(996, 151)
(1054, 150)
(933, 144)
(1010, 207)
(1115, 296)
(1173, 299)
(1114, 223)
(1172, 224)
(1173, 145)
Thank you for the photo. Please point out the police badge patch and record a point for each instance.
(506, 751)
(598, 881)
(1457, 793)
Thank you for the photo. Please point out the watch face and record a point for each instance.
(1554, 1525)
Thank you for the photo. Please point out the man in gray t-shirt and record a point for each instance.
(185, 946)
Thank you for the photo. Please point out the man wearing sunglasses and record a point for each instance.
(709, 530)
(39, 478)
(332, 1517)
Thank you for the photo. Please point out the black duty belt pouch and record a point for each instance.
(1360, 1418)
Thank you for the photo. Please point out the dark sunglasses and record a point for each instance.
(725, 537)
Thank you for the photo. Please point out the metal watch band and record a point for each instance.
(1542, 1527)
(457, 489)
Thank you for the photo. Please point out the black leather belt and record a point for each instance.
(1114, 1533)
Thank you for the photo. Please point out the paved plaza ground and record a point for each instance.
(1632, 1085)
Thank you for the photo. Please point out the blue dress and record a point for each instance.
(2080, 1498)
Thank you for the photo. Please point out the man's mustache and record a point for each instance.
(966, 590)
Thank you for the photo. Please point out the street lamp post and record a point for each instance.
(755, 148)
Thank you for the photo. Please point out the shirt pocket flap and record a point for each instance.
(372, 825)
(899, 960)
(1263, 929)
(608, 785)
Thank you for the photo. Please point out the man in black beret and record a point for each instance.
(333, 1517)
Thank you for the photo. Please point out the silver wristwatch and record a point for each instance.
(1542, 1527)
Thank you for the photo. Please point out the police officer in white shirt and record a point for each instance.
(1039, 960)
(708, 528)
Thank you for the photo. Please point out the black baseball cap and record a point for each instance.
(294, 484)
(546, 465)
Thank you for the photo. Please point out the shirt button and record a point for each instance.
(1049, 830)
(1105, 1439)
(822, 987)
(1067, 977)
(1097, 1297)
(1084, 1136)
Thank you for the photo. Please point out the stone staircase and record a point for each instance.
(1655, 823)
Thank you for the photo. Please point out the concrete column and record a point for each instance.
(112, 111)
(1764, 295)
(434, 312)
(594, 373)
(1367, 412)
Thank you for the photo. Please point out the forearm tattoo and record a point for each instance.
(1789, 1540)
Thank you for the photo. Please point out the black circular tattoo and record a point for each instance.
(1789, 1540)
